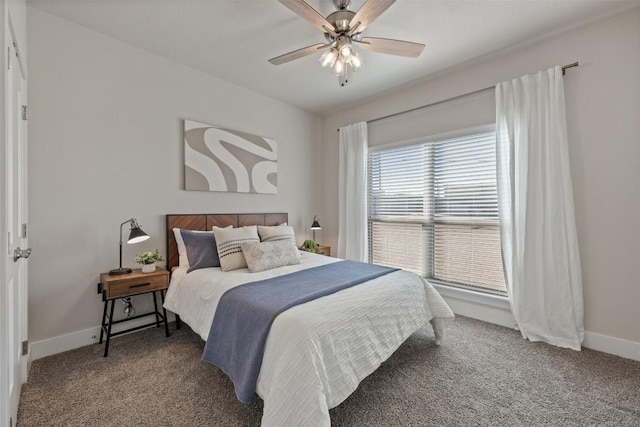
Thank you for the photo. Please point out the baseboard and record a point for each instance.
(612, 345)
(62, 343)
(488, 309)
(73, 340)
(496, 310)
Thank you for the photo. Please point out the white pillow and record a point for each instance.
(267, 255)
(275, 233)
(229, 240)
(183, 259)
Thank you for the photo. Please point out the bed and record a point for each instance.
(316, 353)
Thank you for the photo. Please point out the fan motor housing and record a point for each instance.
(340, 20)
(341, 4)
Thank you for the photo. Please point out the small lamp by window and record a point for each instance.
(315, 226)
(136, 235)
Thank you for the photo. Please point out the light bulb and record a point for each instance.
(338, 67)
(329, 58)
(345, 51)
(355, 61)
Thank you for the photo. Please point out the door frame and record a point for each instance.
(13, 18)
(5, 401)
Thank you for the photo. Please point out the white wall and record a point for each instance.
(105, 145)
(603, 110)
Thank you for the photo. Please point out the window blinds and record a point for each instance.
(433, 209)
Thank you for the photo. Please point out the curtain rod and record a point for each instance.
(454, 98)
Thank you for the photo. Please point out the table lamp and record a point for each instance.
(136, 235)
(315, 226)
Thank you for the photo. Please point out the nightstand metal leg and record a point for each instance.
(106, 346)
(104, 316)
(155, 306)
(178, 322)
(164, 313)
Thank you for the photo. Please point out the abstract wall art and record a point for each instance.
(220, 159)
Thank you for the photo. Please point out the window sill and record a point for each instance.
(477, 305)
(468, 295)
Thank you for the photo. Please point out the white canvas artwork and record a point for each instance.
(219, 159)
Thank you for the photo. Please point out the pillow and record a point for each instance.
(201, 249)
(228, 241)
(182, 250)
(278, 232)
(267, 255)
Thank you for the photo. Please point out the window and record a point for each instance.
(433, 210)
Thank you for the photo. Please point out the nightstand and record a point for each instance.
(118, 286)
(325, 250)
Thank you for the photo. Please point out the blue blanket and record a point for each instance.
(245, 313)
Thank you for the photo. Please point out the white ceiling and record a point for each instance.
(233, 39)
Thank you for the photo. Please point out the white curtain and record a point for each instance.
(535, 203)
(352, 196)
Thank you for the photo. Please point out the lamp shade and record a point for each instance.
(315, 225)
(136, 235)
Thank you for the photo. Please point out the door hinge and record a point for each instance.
(24, 231)
(24, 112)
(25, 347)
(8, 57)
(10, 421)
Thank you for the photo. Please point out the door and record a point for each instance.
(14, 295)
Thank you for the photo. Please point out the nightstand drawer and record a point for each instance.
(137, 285)
(325, 250)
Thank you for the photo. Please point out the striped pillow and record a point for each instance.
(228, 241)
(275, 233)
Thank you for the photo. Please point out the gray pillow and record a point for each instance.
(267, 255)
(202, 251)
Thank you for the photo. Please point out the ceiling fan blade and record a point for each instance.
(391, 46)
(369, 12)
(297, 54)
(301, 8)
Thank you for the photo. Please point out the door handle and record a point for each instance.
(21, 253)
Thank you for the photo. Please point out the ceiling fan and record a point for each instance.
(342, 31)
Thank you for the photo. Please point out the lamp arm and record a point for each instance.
(132, 221)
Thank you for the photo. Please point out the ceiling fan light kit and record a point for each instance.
(342, 29)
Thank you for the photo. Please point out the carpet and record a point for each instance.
(482, 375)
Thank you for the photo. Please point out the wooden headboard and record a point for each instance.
(204, 222)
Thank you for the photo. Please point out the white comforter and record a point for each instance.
(318, 352)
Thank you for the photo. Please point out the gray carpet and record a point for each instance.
(483, 375)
